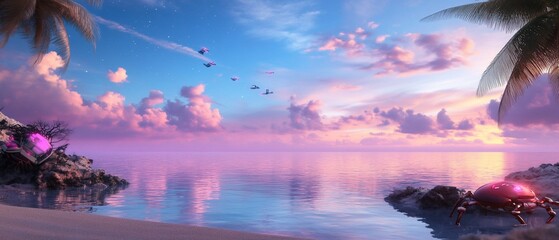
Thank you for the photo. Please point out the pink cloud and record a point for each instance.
(49, 63)
(155, 97)
(197, 115)
(538, 106)
(119, 76)
(349, 42)
(447, 54)
(381, 38)
(417, 123)
(365, 118)
(466, 46)
(444, 121)
(425, 52)
(346, 87)
(372, 25)
(465, 125)
(403, 55)
(111, 100)
(37, 92)
(359, 30)
(305, 116)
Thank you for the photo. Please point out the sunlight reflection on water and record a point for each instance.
(316, 195)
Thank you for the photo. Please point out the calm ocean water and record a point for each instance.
(315, 195)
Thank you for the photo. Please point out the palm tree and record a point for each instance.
(42, 22)
(531, 52)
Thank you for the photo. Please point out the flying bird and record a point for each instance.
(234, 78)
(254, 87)
(203, 50)
(269, 72)
(267, 92)
(209, 64)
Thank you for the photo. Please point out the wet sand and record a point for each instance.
(33, 223)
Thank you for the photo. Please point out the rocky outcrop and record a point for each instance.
(440, 196)
(9, 121)
(544, 180)
(433, 207)
(415, 199)
(74, 171)
(60, 171)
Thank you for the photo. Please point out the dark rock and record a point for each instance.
(399, 195)
(440, 197)
(60, 171)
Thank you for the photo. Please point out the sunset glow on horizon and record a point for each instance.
(346, 76)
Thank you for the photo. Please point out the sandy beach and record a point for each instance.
(31, 223)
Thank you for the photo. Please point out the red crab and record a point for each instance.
(504, 196)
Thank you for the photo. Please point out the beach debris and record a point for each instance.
(254, 87)
(209, 64)
(203, 50)
(26, 147)
(268, 92)
(235, 78)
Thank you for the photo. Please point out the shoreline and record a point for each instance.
(35, 223)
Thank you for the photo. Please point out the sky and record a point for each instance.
(353, 75)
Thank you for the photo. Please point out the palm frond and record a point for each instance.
(42, 24)
(536, 34)
(12, 13)
(507, 15)
(61, 40)
(554, 79)
(44, 21)
(499, 70)
(77, 15)
(533, 55)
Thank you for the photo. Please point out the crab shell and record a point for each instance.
(502, 195)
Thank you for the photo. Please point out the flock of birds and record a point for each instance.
(253, 87)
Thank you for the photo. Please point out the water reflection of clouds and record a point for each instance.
(204, 188)
(330, 195)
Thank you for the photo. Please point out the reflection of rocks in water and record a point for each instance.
(433, 207)
(74, 199)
